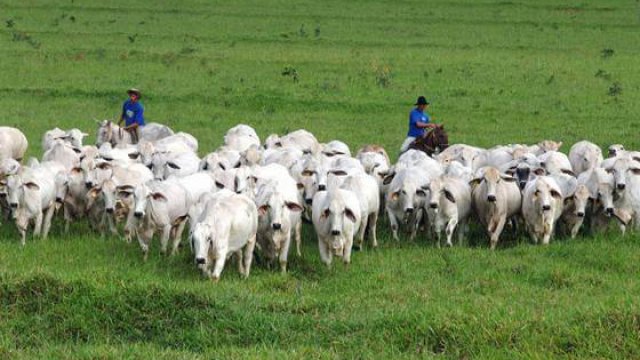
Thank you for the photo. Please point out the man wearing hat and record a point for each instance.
(132, 114)
(418, 121)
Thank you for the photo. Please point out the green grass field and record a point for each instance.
(496, 72)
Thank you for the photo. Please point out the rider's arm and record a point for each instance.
(421, 124)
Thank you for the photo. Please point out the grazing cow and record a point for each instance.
(541, 208)
(584, 155)
(13, 143)
(278, 218)
(495, 198)
(31, 196)
(336, 218)
(448, 206)
(227, 226)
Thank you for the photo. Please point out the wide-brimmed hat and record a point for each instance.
(422, 101)
(134, 91)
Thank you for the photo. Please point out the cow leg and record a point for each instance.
(47, 221)
(298, 236)
(497, 230)
(37, 229)
(248, 255)
(218, 266)
(373, 223)
(111, 224)
(240, 262)
(144, 238)
(178, 237)
(346, 255)
(164, 238)
(284, 253)
(463, 227)
(325, 252)
(394, 224)
(451, 227)
(361, 232)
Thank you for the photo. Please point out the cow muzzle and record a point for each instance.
(137, 214)
(109, 210)
(546, 207)
(580, 214)
(609, 211)
(276, 226)
(201, 261)
(621, 186)
(433, 205)
(335, 232)
(491, 198)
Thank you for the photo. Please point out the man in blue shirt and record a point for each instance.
(418, 121)
(132, 114)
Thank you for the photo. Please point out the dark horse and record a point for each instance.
(433, 141)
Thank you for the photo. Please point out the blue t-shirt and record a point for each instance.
(415, 116)
(132, 113)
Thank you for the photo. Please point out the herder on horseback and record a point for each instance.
(132, 114)
(418, 122)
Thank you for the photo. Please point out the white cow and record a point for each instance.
(541, 208)
(110, 132)
(584, 155)
(336, 219)
(365, 187)
(64, 154)
(405, 198)
(278, 218)
(162, 206)
(298, 139)
(177, 143)
(165, 165)
(448, 206)
(13, 143)
(601, 188)
(227, 226)
(32, 195)
(495, 198)
(241, 137)
(575, 209)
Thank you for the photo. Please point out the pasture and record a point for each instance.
(496, 72)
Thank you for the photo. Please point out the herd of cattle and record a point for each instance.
(250, 194)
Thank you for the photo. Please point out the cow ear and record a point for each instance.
(221, 166)
(635, 171)
(539, 171)
(300, 186)
(507, 178)
(95, 191)
(173, 165)
(124, 193)
(475, 182)
(421, 192)
(394, 196)
(568, 201)
(350, 215)
(293, 206)
(134, 155)
(308, 173)
(76, 150)
(556, 194)
(158, 196)
(104, 166)
(76, 171)
(237, 165)
(338, 172)
(262, 210)
(609, 170)
(449, 196)
(32, 186)
(219, 185)
(568, 172)
(387, 179)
